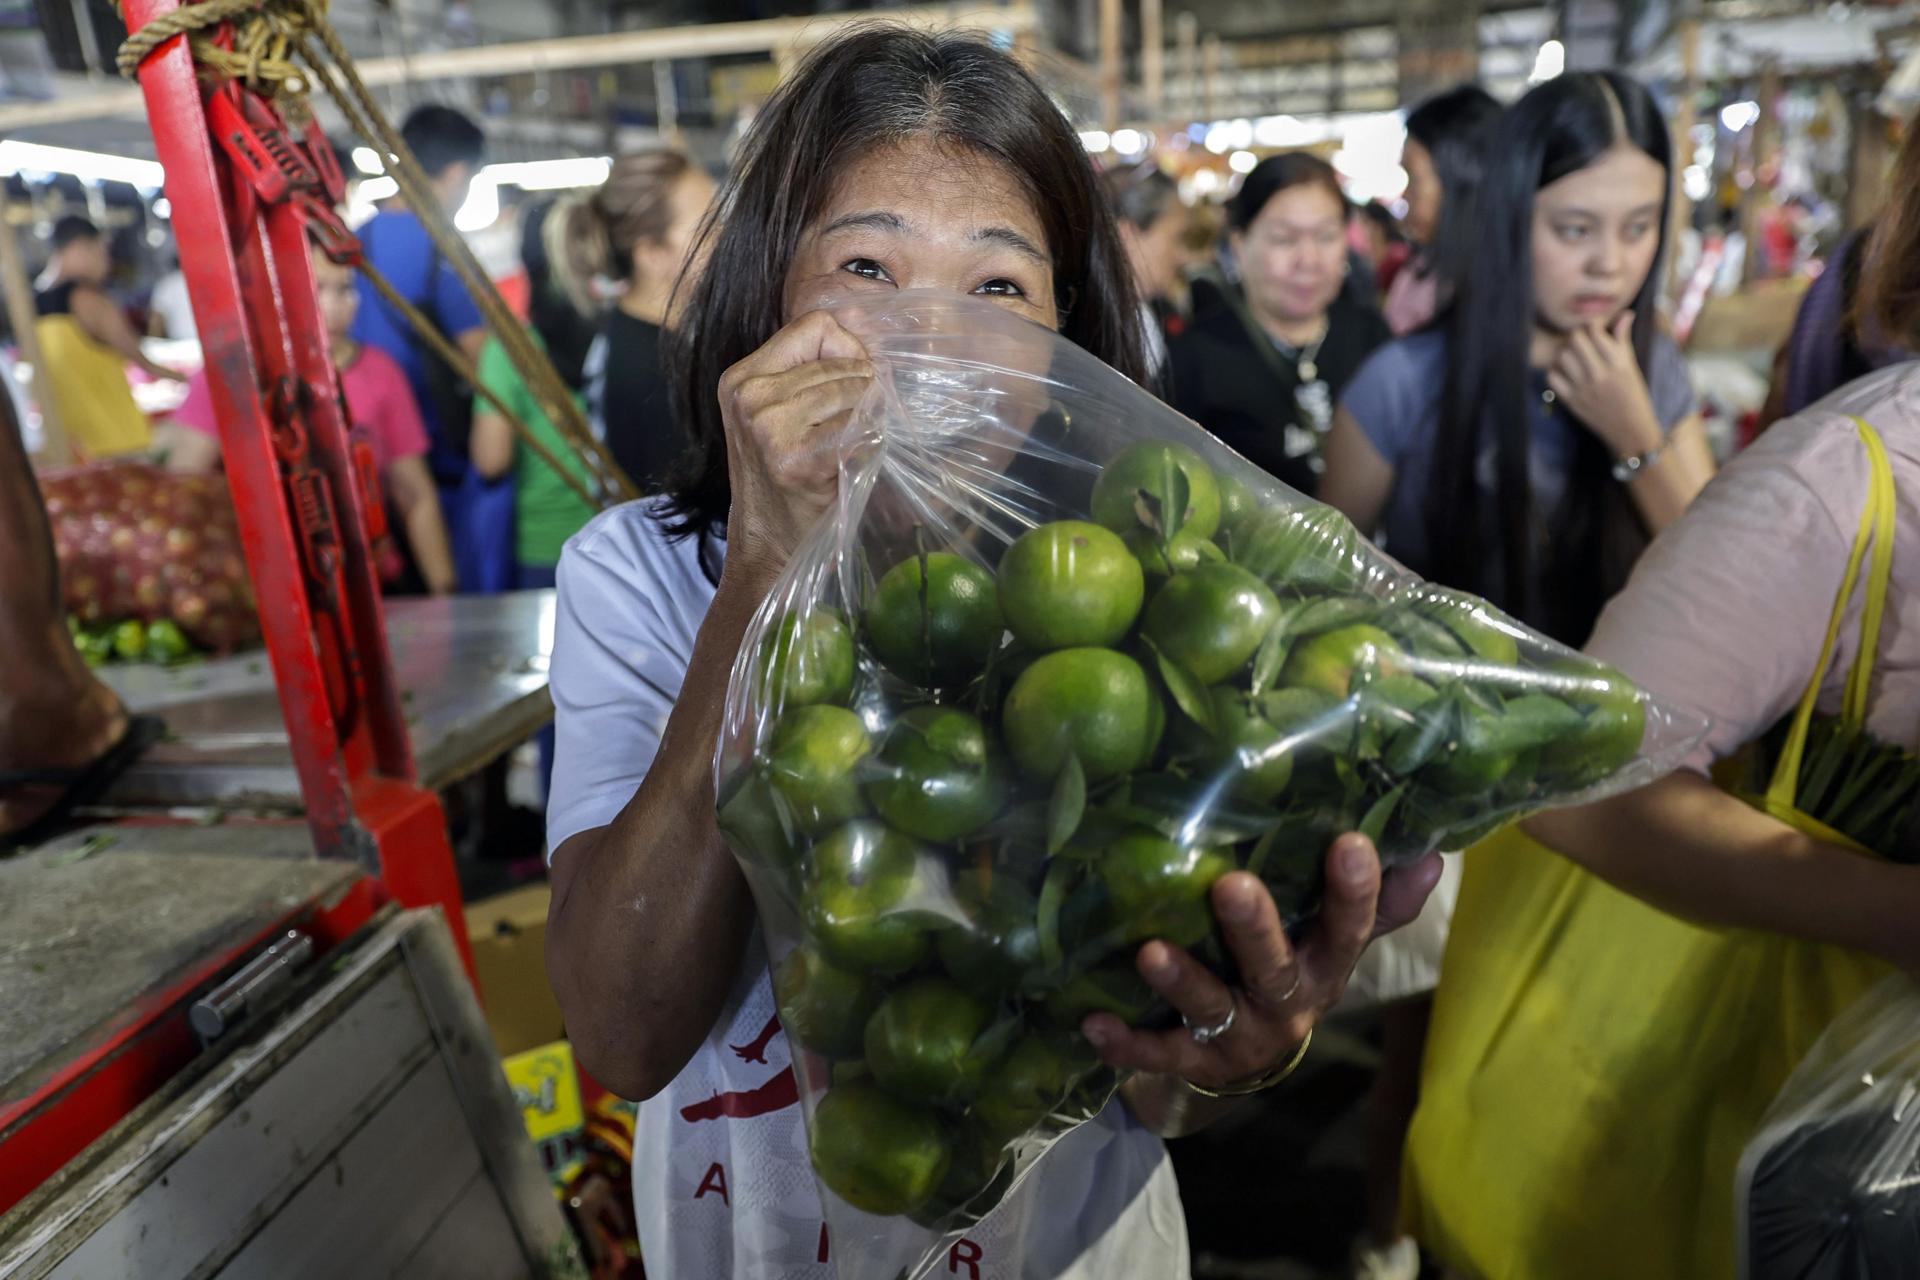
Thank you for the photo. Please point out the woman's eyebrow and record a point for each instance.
(1013, 240)
(872, 220)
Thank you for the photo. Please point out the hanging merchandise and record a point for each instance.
(1054, 663)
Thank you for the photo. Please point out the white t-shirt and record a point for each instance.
(722, 1184)
(174, 306)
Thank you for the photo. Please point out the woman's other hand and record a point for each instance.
(1284, 990)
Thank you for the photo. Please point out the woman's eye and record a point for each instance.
(1571, 233)
(1638, 230)
(1001, 287)
(865, 268)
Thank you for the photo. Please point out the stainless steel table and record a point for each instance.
(472, 672)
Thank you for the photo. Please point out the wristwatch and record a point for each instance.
(1627, 468)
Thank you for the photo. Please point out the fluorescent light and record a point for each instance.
(1129, 142)
(1550, 62)
(1279, 131)
(374, 190)
(1696, 183)
(1242, 161)
(163, 208)
(1217, 140)
(89, 166)
(482, 208)
(1095, 140)
(367, 161)
(549, 175)
(1735, 115)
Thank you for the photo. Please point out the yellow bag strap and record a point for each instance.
(1876, 531)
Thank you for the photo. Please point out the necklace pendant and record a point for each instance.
(1309, 371)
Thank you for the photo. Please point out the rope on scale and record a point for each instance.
(256, 42)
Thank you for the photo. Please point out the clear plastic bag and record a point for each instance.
(1829, 1189)
(1055, 662)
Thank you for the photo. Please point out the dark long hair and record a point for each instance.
(1454, 126)
(1556, 584)
(879, 85)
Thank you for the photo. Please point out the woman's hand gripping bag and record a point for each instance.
(1053, 663)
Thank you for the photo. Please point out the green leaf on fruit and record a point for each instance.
(1272, 654)
(1053, 895)
(1067, 805)
(1375, 821)
(1189, 694)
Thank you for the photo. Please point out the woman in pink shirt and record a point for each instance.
(383, 413)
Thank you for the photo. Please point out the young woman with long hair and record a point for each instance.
(1599, 1058)
(891, 159)
(1528, 445)
(1445, 158)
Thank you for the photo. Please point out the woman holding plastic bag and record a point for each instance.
(891, 159)
(1596, 1065)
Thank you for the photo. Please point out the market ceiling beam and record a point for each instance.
(567, 53)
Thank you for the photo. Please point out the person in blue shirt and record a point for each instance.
(449, 147)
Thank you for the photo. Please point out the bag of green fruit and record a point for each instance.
(1056, 661)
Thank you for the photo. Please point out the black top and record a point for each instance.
(57, 299)
(628, 395)
(1253, 399)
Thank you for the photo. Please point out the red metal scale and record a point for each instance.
(247, 195)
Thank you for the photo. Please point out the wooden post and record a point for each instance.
(55, 451)
(1684, 117)
(1210, 52)
(668, 100)
(1152, 53)
(1186, 30)
(1110, 77)
(1766, 147)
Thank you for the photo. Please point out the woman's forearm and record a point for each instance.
(1691, 849)
(1663, 492)
(650, 913)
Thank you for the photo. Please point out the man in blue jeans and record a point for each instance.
(479, 515)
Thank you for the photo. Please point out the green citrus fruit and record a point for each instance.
(822, 1006)
(1144, 470)
(1070, 584)
(921, 1042)
(1307, 548)
(943, 778)
(1321, 720)
(812, 760)
(758, 819)
(1115, 987)
(976, 1181)
(856, 899)
(877, 1153)
(1092, 703)
(1161, 562)
(1157, 888)
(1477, 759)
(1333, 661)
(1237, 504)
(130, 641)
(1030, 1083)
(1210, 620)
(1615, 723)
(807, 658)
(999, 944)
(1476, 626)
(1249, 745)
(938, 633)
(166, 642)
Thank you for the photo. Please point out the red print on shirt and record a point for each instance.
(777, 1094)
